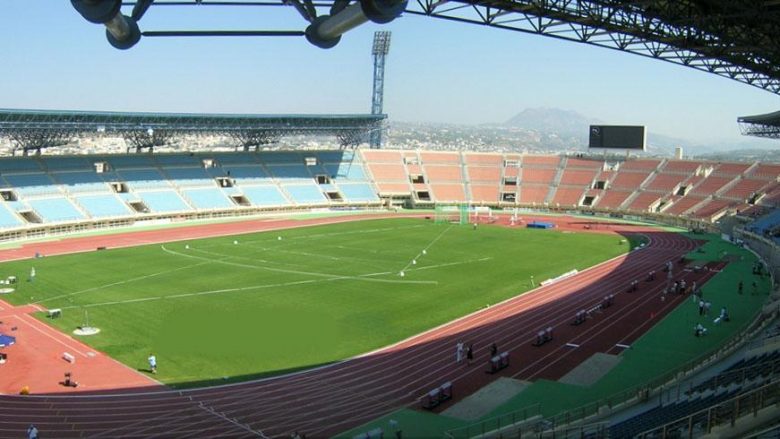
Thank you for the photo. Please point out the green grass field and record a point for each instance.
(233, 308)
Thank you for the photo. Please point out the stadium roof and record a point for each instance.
(737, 39)
(35, 129)
(762, 125)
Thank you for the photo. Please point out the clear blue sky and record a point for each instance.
(437, 71)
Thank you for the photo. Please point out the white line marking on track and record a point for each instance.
(572, 345)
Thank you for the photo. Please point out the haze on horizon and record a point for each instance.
(437, 71)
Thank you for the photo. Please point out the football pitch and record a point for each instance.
(234, 308)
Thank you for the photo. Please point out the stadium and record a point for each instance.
(364, 291)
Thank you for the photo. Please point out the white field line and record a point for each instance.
(34, 325)
(278, 285)
(425, 249)
(121, 282)
(330, 276)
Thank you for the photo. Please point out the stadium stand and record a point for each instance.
(307, 193)
(8, 218)
(141, 184)
(207, 198)
(265, 195)
(358, 192)
(101, 206)
(163, 201)
(55, 209)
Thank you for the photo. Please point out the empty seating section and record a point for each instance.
(534, 194)
(265, 195)
(647, 165)
(67, 162)
(483, 173)
(170, 160)
(443, 173)
(547, 161)
(644, 201)
(765, 171)
(440, 157)
(612, 199)
(55, 209)
(358, 192)
(8, 218)
(538, 176)
(346, 171)
(388, 172)
(683, 204)
(664, 414)
(567, 196)
(68, 188)
(19, 165)
(573, 162)
(282, 157)
(290, 172)
(252, 174)
(31, 184)
(305, 193)
(477, 159)
(484, 193)
(225, 159)
(578, 177)
(710, 185)
(744, 189)
(393, 188)
(448, 192)
(128, 161)
(681, 167)
(712, 208)
(190, 176)
(163, 201)
(81, 181)
(664, 182)
(102, 206)
(143, 178)
(628, 180)
(208, 198)
(730, 169)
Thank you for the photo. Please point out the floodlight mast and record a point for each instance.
(380, 50)
(323, 31)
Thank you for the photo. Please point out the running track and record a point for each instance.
(332, 399)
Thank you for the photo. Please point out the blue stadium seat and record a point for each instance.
(189, 176)
(346, 171)
(290, 172)
(163, 201)
(25, 164)
(59, 163)
(32, 184)
(55, 209)
(81, 181)
(266, 195)
(143, 178)
(305, 193)
(8, 218)
(208, 198)
(358, 192)
(101, 206)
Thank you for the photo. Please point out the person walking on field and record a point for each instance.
(152, 363)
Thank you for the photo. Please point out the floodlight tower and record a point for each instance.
(380, 50)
